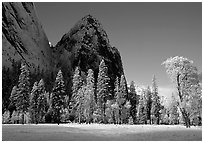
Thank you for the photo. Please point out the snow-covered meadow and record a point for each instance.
(99, 132)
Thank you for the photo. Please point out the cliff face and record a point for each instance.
(85, 45)
(23, 37)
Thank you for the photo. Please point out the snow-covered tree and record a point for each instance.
(102, 89)
(173, 111)
(13, 98)
(184, 75)
(121, 97)
(80, 104)
(134, 101)
(142, 111)
(156, 105)
(148, 96)
(89, 96)
(115, 112)
(126, 112)
(23, 92)
(42, 101)
(34, 103)
(58, 95)
(77, 83)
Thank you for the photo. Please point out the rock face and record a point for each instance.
(84, 46)
(23, 37)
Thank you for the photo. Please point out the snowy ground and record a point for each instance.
(97, 132)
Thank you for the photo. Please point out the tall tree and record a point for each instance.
(42, 101)
(121, 96)
(58, 95)
(156, 105)
(142, 111)
(134, 101)
(148, 96)
(102, 89)
(34, 103)
(23, 92)
(77, 83)
(114, 106)
(89, 96)
(184, 76)
(13, 98)
(121, 99)
(80, 104)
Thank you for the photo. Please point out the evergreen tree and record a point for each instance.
(115, 106)
(156, 105)
(102, 89)
(126, 112)
(148, 96)
(12, 98)
(134, 101)
(22, 102)
(33, 103)
(142, 112)
(115, 112)
(80, 104)
(58, 95)
(77, 83)
(121, 97)
(42, 101)
(89, 96)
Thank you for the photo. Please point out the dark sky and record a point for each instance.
(145, 33)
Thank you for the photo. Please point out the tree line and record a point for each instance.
(91, 100)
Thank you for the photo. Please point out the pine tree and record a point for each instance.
(42, 101)
(58, 95)
(121, 99)
(156, 105)
(33, 103)
(13, 98)
(102, 89)
(77, 83)
(142, 112)
(134, 101)
(148, 96)
(22, 102)
(89, 96)
(115, 106)
(80, 104)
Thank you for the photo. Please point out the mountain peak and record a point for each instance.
(87, 26)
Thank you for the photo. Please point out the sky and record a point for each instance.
(145, 34)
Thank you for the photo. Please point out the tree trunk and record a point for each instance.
(119, 115)
(157, 120)
(23, 118)
(104, 113)
(185, 117)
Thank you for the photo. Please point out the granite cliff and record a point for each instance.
(23, 38)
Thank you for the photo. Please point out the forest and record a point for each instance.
(41, 98)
